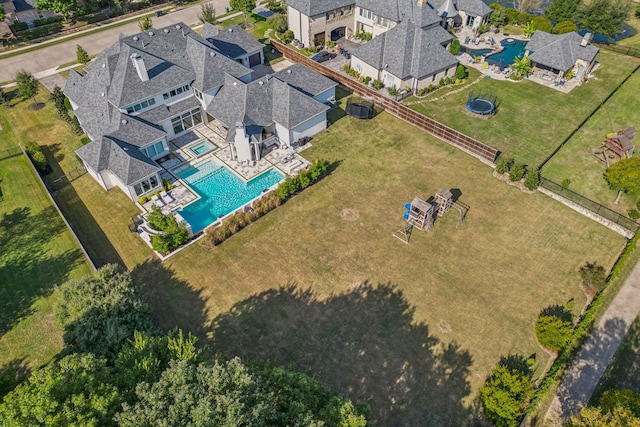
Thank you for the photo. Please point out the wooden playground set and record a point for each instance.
(421, 213)
(617, 146)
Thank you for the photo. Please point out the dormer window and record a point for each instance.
(140, 105)
(175, 92)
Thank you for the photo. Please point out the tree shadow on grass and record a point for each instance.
(363, 344)
(28, 270)
(12, 374)
(174, 302)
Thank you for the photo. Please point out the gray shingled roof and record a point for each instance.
(402, 10)
(408, 51)
(470, 7)
(210, 66)
(305, 79)
(316, 7)
(260, 103)
(559, 51)
(124, 160)
(163, 112)
(136, 132)
(232, 42)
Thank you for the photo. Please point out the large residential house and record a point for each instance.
(410, 44)
(150, 88)
(315, 21)
(562, 53)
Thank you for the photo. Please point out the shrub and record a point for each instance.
(393, 91)
(82, 55)
(377, 84)
(503, 164)
(330, 44)
(19, 26)
(593, 277)
(175, 234)
(532, 180)
(564, 27)
(634, 214)
(553, 331)
(517, 171)
(39, 161)
(363, 35)
(287, 36)
(461, 72)
(166, 184)
(543, 24)
(366, 80)
(565, 183)
(278, 22)
(454, 49)
(505, 393)
(31, 147)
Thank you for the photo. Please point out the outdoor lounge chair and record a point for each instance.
(166, 197)
(156, 201)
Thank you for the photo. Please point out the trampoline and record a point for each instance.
(359, 108)
(483, 105)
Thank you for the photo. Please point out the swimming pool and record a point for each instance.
(201, 147)
(221, 191)
(512, 49)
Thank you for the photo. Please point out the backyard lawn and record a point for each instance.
(301, 286)
(584, 172)
(532, 120)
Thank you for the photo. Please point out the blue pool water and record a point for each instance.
(202, 147)
(221, 191)
(512, 49)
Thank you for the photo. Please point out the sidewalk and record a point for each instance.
(596, 354)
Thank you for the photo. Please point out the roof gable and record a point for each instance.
(233, 42)
(559, 51)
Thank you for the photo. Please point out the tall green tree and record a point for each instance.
(504, 394)
(76, 391)
(245, 6)
(595, 417)
(278, 21)
(562, 10)
(27, 85)
(100, 313)
(145, 23)
(207, 14)
(624, 177)
(1, 13)
(63, 7)
(81, 55)
(603, 16)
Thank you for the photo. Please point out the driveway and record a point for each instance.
(52, 56)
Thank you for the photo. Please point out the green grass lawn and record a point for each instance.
(633, 41)
(288, 289)
(36, 250)
(257, 24)
(584, 172)
(532, 119)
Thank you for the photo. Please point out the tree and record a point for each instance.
(1, 13)
(145, 23)
(564, 27)
(499, 16)
(278, 22)
(627, 399)
(207, 14)
(82, 55)
(529, 28)
(57, 97)
(461, 72)
(454, 49)
(522, 66)
(624, 177)
(527, 5)
(27, 85)
(542, 23)
(230, 393)
(4, 98)
(504, 394)
(76, 390)
(532, 179)
(554, 332)
(603, 16)
(245, 6)
(595, 417)
(63, 7)
(100, 313)
(562, 10)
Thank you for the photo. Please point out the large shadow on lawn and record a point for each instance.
(174, 302)
(364, 344)
(28, 269)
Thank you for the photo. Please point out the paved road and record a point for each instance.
(585, 373)
(52, 56)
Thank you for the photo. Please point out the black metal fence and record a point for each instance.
(60, 182)
(9, 152)
(589, 204)
(625, 50)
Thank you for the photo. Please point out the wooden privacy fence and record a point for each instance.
(451, 136)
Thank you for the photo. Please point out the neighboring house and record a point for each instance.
(562, 53)
(315, 21)
(407, 56)
(235, 43)
(24, 11)
(149, 88)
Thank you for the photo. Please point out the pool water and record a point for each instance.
(221, 192)
(202, 148)
(512, 50)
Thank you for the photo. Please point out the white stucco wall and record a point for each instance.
(95, 175)
(283, 134)
(310, 127)
(294, 18)
(363, 68)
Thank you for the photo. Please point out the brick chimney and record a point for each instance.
(138, 63)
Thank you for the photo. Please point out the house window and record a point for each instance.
(186, 121)
(175, 92)
(153, 149)
(140, 105)
(146, 185)
(327, 16)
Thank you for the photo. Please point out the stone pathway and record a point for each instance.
(596, 354)
(446, 94)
